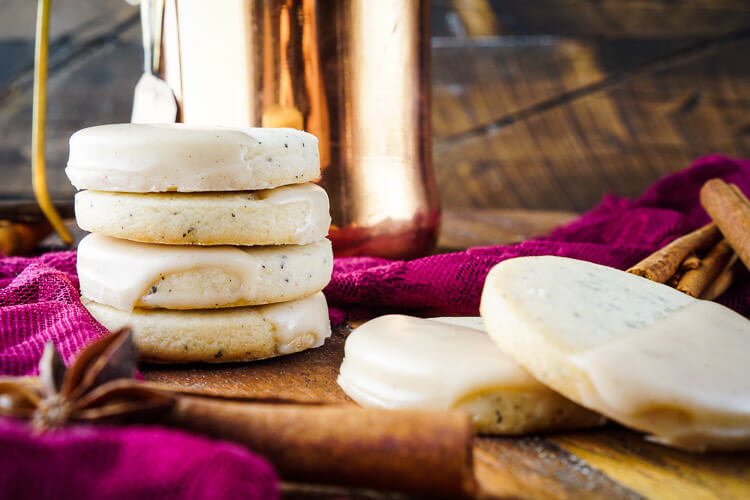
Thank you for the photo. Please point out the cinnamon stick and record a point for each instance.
(692, 261)
(739, 193)
(694, 281)
(722, 283)
(676, 277)
(662, 264)
(730, 210)
(424, 452)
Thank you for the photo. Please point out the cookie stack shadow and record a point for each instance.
(210, 243)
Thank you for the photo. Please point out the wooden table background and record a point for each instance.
(607, 463)
(545, 104)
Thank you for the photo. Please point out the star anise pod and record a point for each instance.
(99, 386)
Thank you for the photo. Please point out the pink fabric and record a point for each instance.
(127, 463)
(617, 233)
(39, 302)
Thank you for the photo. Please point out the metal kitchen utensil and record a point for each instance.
(355, 73)
(153, 101)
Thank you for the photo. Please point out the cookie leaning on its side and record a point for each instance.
(397, 361)
(639, 352)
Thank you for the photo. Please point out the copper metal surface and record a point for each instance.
(353, 72)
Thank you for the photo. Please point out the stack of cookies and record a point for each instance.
(209, 242)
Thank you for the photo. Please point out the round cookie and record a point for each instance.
(295, 214)
(221, 335)
(636, 351)
(125, 274)
(142, 158)
(397, 361)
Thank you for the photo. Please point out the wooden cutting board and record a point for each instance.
(608, 463)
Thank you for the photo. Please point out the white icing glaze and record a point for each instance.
(397, 361)
(294, 193)
(474, 322)
(297, 325)
(579, 301)
(234, 333)
(177, 157)
(694, 359)
(119, 272)
(316, 196)
(639, 352)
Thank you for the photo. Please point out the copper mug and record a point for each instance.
(353, 72)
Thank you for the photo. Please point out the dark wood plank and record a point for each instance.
(76, 27)
(619, 137)
(462, 228)
(95, 57)
(67, 17)
(622, 18)
(15, 57)
(535, 122)
(477, 17)
(93, 85)
(611, 19)
(536, 468)
(305, 376)
(296, 491)
(656, 471)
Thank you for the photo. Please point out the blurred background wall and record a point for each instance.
(543, 104)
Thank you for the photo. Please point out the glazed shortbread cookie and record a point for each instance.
(295, 214)
(141, 158)
(125, 274)
(634, 350)
(222, 335)
(399, 361)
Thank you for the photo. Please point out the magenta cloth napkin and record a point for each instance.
(127, 463)
(617, 233)
(39, 302)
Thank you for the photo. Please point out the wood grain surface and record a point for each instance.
(608, 463)
(474, 227)
(550, 124)
(536, 105)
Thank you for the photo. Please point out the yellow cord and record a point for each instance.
(38, 169)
